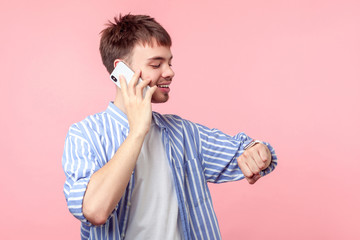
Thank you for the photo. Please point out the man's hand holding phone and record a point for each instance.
(123, 69)
(137, 105)
(108, 184)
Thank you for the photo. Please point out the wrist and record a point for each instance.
(137, 135)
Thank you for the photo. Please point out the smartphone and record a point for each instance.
(122, 69)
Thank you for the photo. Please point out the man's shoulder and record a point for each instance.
(94, 122)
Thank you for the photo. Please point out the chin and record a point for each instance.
(160, 99)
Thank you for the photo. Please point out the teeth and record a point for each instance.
(163, 86)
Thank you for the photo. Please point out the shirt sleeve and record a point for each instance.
(78, 163)
(219, 153)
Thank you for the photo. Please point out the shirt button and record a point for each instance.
(129, 204)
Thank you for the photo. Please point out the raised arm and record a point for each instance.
(108, 184)
(222, 156)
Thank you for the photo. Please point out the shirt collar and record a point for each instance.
(117, 114)
(157, 118)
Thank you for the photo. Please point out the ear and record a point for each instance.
(116, 61)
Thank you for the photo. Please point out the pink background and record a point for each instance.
(287, 72)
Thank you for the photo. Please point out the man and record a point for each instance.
(136, 174)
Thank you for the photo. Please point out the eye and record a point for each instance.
(155, 66)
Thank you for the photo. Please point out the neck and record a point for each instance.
(119, 100)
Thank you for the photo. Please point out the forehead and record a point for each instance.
(147, 51)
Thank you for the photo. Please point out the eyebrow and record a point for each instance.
(159, 58)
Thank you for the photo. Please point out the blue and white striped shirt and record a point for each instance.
(196, 154)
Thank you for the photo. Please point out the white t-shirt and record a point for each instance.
(154, 211)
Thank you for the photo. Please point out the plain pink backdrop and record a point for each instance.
(287, 72)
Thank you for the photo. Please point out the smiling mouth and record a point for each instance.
(163, 86)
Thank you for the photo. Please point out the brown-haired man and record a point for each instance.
(136, 174)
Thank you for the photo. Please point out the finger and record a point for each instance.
(265, 153)
(133, 82)
(253, 179)
(140, 88)
(245, 169)
(123, 86)
(251, 163)
(150, 92)
(253, 167)
(250, 180)
(258, 160)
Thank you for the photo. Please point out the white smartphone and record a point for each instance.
(122, 69)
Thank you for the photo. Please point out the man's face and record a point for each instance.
(155, 64)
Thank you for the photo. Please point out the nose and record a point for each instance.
(168, 73)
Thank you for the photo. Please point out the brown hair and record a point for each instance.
(121, 36)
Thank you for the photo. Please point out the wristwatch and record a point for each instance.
(252, 143)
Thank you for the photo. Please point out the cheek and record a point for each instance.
(153, 77)
(145, 77)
